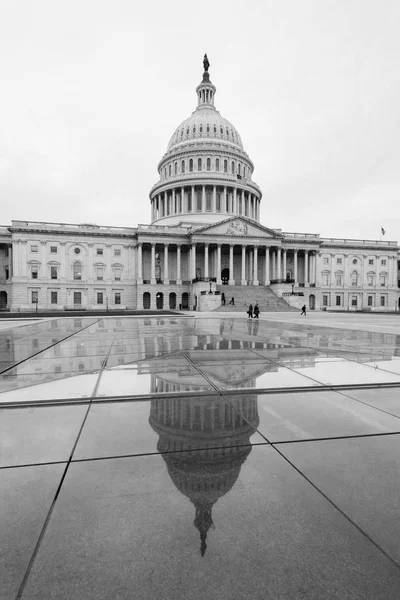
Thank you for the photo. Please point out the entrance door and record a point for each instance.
(146, 300)
(160, 300)
(77, 299)
(312, 302)
(225, 276)
(3, 300)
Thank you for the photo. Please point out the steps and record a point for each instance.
(244, 295)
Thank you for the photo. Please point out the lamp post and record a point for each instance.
(210, 292)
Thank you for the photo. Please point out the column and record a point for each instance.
(295, 267)
(153, 263)
(140, 263)
(214, 206)
(279, 265)
(273, 264)
(234, 203)
(267, 279)
(219, 264)
(42, 273)
(173, 201)
(306, 268)
(317, 270)
(231, 280)
(193, 257)
(203, 198)
(16, 253)
(243, 280)
(184, 207)
(284, 264)
(166, 273)
(206, 260)
(178, 265)
(255, 274)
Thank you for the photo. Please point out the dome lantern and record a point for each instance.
(205, 90)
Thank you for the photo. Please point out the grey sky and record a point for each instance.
(91, 92)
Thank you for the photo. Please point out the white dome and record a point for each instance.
(205, 123)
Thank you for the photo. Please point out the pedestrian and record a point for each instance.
(250, 311)
(256, 311)
(223, 298)
(303, 310)
(232, 301)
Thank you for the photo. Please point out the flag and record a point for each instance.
(383, 231)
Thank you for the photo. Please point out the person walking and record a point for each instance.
(223, 298)
(303, 310)
(250, 311)
(232, 301)
(256, 311)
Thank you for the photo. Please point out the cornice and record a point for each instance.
(359, 248)
(60, 232)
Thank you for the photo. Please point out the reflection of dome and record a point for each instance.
(204, 442)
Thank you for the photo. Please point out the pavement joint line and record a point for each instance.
(47, 348)
(52, 506)
(341, 511)
(335, 437)
(38, 464)
(386, 412)
(175, 394)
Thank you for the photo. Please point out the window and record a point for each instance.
(176, 168)
(383, 262)
(382, 279)
(117, 252)
(77, 298)
(354, 278)
(199, 164)
(338, 261)
(370, 279)
(369, 301)
(53, 298)
(240, 205)
(117, 274)
(35, 297)
(34, 271)
(208, 164)
(170, 170)
(338, 279)
(53, 249)
(225, 166)
(191, 165)
(218, 201)
(117, 298)
(183, 166)
(325, 278)
(383, 300)
(324, 300)
(58, 369)
(99, 251)
(338, 303)
(99, 297)
(217, 164)
(326, 261)
(354, 261)
(208, 200)
(233, 168)
(354, 300)
(77, 270)
(53, 273)
(34, 248)
(77, 250)
(189, 202)
(99, 273)
(198, 196)
(371, 262)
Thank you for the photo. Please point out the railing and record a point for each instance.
(204, 279)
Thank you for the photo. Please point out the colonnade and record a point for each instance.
(274, 259)
(205, 198)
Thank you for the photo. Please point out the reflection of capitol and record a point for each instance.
(221, 430)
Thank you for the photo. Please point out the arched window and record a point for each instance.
(215, 129)
(146, 300)
(225, 166)
(208, 129)
(201, 128)
(244, 171)
(176, 168)
(194, 129)
(189, 202)
(217, 164)
(199, 164)
(77, 271)
(354, 278)
(170, 170)
(240, 205)
(183, 166)
(165, 172)
(191, 165)
(233, 168)
(218, 201)
(208, 164)
(238, 168)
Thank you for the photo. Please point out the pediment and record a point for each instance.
(238, 226)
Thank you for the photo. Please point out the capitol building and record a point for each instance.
(204, 236)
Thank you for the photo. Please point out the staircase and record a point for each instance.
(244, 295)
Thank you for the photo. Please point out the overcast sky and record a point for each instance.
(92, 90)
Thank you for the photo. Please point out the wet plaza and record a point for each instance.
(181, 457)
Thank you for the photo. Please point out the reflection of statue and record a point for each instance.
(219, 432)
(206, 63)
